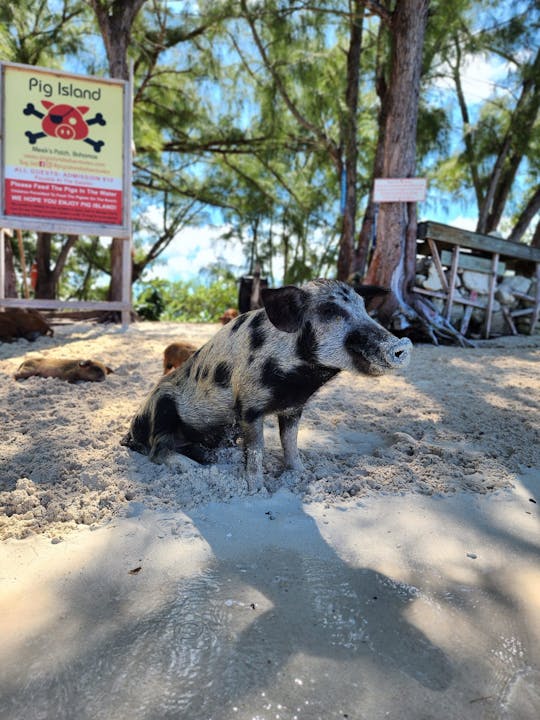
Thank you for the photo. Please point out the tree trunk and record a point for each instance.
(527, 216)
(535, 242)
(366, 237)
(49, 275)
(10, 279)
(395, 222)
(469, 137)
(115, 20)
(45, 285)
(345, 263)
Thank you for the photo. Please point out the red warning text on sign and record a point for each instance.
(60, 201)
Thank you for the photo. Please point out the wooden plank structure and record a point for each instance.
(123, 306)
(461, 249)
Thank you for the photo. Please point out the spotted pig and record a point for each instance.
(266, 361)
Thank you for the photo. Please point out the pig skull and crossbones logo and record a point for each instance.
(65, 122)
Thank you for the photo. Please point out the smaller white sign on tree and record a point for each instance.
(399, 190)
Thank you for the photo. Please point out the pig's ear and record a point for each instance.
(285, 307)
(371, 291)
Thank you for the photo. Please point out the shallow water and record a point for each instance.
(208, 642)
(248, 611)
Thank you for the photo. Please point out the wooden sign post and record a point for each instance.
(65, 164)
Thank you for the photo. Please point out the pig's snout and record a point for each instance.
(397, 354)
(377, 351)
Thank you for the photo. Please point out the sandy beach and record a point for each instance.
(454, 420)
(398, 576)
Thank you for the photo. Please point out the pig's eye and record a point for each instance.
(329, 311)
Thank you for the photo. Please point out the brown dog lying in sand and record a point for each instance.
(176, 354)
(64, 369)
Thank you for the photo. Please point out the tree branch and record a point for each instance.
(526, 217)
(322, 137)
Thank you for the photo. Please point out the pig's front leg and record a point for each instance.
(288, 433)
(252, 432)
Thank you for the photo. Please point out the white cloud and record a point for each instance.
(464, 223)
(481, 78)
(194, 248)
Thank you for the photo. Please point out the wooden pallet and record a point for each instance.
(460, 249)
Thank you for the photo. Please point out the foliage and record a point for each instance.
(490, 165)
(189, 301)
(41, 33)
(240, 116)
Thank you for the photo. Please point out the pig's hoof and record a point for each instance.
(290, 476)
(295, 465)
(255, 483)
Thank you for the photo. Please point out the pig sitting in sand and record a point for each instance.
(64, 369)
(266, 361)
(176, 354)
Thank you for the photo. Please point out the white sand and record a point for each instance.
(456, 419)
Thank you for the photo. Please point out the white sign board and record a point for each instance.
(399, 190)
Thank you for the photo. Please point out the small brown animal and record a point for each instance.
(24, 323)
(176, 354)
(64, 369)
(228, 315)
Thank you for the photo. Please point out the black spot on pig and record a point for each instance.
(166, 424)
(253, 414)
(307, 345)
(222, 375)
(137, 437)
(237, 324)
(330, 311)
(141, 427)
(292, 388)
(288, 420)
(208, 437)
(257, 335)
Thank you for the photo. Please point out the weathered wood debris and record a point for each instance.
(482, 286)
